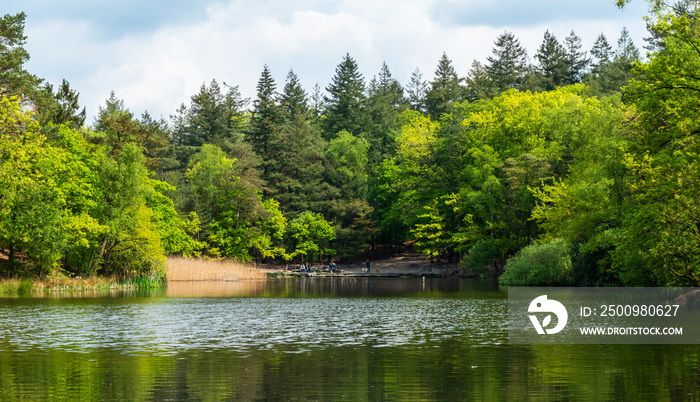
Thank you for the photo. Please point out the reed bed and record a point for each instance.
(199, 269)
(58, 283)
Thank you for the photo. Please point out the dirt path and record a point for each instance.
(405, 263)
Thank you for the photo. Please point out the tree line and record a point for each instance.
(575, 169)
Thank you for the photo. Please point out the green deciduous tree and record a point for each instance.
(310, 236)
(547, 264)
(659, 239)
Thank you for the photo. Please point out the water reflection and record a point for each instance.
(337, 287)
(447, 370)
(314, 339)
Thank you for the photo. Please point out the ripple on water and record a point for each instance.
(163, 325)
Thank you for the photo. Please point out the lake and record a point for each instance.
(328, 339)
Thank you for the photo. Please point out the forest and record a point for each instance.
(570, 167)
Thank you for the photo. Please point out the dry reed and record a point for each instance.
(198, 269)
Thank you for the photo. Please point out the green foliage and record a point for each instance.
(176, 233)
(14, 79)
(479, 260)
(430, 232)
(310, 235)
(42, 209)
(478, 181)
(344, 105)
(546, 264)
(552, 62)
(444, 89)
(507, 66)
(385, 101)
(347, 159)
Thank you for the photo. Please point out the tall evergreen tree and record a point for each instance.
(613, 70)
(576, 60)
(14, 79)
(294, 100)
(213, 116)
(602, 56)
(507, 66)
(602, 51)
(384, 102)
(65, 106)
(478, 84)
(297, 182)
(317, 105)
(344, 103)
(265, 121)
(444, 89)
(553, 67)
(121, 128)
(416, 90)
(209, 116)
(626, 53)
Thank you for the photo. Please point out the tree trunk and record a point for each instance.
(11, 257)
(99, 257)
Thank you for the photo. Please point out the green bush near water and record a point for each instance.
(540, 264)
(25, 287)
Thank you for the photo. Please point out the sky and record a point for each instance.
(155, 54)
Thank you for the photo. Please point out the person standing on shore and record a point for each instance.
(368, 266)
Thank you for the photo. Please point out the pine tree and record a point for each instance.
(384, 102)
(294, 100)
(602, 53)
(416, 91)
(612, 71)
(601, 50)
(213, 116)
(14, 79)
(297, 180)
(552, 62)
(265, 119)
(317, 104)
(210, 113)
(508, 65)
(626, 53)
(62, 107)
(576, 60)
(344, 105)
(444, 89)
(478, 84)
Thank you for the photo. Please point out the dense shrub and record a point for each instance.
(479, 259)
(540, 264)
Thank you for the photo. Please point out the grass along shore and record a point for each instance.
(65, 284)
(179, 269)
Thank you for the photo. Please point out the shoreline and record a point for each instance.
(405, 265)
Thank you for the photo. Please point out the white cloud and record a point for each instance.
(159, 68)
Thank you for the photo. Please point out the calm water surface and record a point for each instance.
(314, 339)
